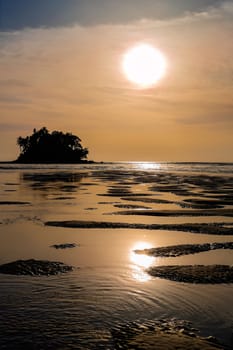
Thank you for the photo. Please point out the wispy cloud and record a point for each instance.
(216, 11)
(19, 127)
(13, 83)
(16, 15)
(11, 100)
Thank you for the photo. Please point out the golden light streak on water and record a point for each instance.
(148, 166)
(141, 262)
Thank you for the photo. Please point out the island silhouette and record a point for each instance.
(43, 146)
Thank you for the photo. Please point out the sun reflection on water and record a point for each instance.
(141, 262)
(148, 166)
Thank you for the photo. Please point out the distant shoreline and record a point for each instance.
(118, 161)
(83, 162)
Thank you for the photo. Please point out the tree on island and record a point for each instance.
(54, 147)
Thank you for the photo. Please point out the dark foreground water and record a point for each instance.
(109, 285)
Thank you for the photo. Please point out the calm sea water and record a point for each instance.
(110, 285)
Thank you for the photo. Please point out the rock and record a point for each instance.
(177, 213)
(203, 274)
(14, 203)
(33, 267)
(64, 245)
(213, 228)
(184, 249)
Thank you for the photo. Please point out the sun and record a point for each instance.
(144, 65)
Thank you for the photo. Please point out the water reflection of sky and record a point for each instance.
(141, 262)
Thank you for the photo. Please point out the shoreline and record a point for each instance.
(120, 162)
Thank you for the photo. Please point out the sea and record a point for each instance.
(109, 285)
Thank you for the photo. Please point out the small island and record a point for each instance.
(51, 147)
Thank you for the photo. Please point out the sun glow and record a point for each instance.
(144, 65)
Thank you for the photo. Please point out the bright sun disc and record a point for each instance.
(144, 65)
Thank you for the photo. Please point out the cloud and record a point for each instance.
(13, 83)
(9, 127)
(227, 7)
(13, 100)
(20, 14)
(218, 118)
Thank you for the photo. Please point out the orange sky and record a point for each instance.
(70, 79)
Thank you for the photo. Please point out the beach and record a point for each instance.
(119, 229)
